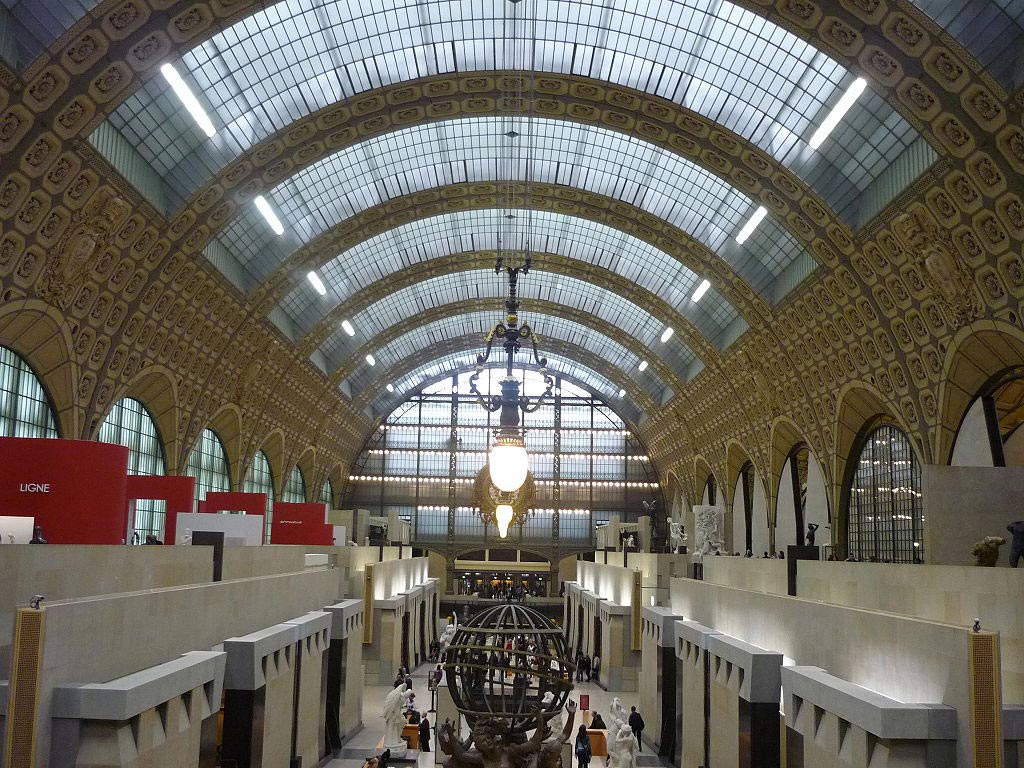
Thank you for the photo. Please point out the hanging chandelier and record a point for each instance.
(508, 459)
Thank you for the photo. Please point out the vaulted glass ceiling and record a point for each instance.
(475, 325)
(416, 243)
(722, 61)
(445, 365)
(421, 298)
(474, 150)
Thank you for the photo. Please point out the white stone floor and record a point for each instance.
(364, 743)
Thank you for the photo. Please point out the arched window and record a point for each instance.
(885, 522)
(327, 493)
(711, 490)
(24, 408)
(295, 488)
(208, 464)
(260, 480)
(129, 424)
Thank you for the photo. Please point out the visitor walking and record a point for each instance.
(595, 668)
(583, 751)
(636, 724)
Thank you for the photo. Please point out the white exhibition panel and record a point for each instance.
(394, 577)
(609, 582)
(238, 530)
(16, 530)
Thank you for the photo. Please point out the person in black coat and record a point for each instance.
(424, 734)
(636, 724)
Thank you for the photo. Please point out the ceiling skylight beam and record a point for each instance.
(268, 213)
(751, 225)
(347, 327)
(317, 283)
(188, 99)
(667, 334)
(371, 360)
(838, 112)
(701, 290)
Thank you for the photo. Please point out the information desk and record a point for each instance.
(598, 742)
(411, 733)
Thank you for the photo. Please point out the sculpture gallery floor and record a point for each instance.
(364, 743)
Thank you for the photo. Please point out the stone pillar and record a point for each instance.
(344, 698)
(620, 665)
(657, 679)
(264, 695)
(310, 686)
(692, 693)
(745, 687)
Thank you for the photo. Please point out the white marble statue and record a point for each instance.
(186, 537)
(709, 530)
(546, 703)
(626, 747)
(677, 536)
(449, 632)
(394, 717)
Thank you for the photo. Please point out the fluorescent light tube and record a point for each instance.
(371, 360)
(838, 111)
(318, 284)
(751, 225)
(667, 334)
(347, 327)
(188, 99)
(642, 366)
(268, 213)
(701, 290)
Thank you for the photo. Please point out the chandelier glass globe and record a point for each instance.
(509, 463)
(503, 514)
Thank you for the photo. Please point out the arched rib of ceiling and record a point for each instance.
(499, 149)
(450, 264)
(563, 357)
(580, 245)
(725, 62)
(422, 297)
(624, 218)
(547, 319)
(572, 100)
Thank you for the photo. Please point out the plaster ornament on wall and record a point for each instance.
(709, 530)
(765, 397)
(943, 272)
(88, 231)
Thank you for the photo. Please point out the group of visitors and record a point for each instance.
(587, 667)
(412, 715)
(621, 737)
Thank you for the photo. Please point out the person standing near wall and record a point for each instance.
(636, 724)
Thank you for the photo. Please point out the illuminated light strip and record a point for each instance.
(268, 213)
(643, 366)
(346, 326)
(838, 112)
(667, 334)
(371, 360)
(317, 283)
(701, 290)
(188, 99)
(751, 225)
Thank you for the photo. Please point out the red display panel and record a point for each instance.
(177, 491)
(300, 524)
(75, 489)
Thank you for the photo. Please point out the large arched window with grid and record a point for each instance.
(24, 408)
(885, 521)
(208, 464)
(327, 493)
(295, 488)
(130, 424)
(260, 479)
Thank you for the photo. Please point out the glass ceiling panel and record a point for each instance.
(424, 296)
(991, 30)
(601, 161)
(35, 24)
(722, 61)
(477, 324)
(420, 241)
(599, 384)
